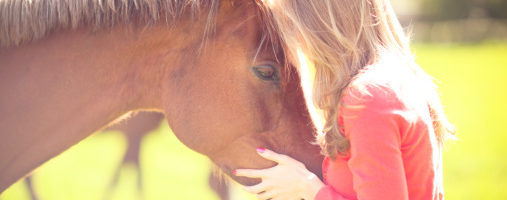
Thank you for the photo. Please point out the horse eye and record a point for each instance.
(266, 72)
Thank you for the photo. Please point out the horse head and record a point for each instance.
(239, 95)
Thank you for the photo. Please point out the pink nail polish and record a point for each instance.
(234, 172)
(260, 150)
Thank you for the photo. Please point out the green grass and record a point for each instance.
(473, 84)
(169, 169)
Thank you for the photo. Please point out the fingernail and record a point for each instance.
(234, 172)
(261, 150)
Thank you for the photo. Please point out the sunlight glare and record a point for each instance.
(307, 73)
(269, 3)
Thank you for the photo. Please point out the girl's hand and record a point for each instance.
(289, 180)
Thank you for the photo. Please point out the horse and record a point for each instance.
(212, 67)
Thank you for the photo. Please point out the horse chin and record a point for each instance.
(246, 181)
(227, 172)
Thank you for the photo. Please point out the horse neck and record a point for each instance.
(57, 91)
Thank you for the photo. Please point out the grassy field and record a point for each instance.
(473, 84)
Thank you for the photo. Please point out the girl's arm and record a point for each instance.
(375, 123)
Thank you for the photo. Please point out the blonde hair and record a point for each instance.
(340, 37)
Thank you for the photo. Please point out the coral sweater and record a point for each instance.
(394, 153)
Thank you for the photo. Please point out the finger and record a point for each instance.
(282, 197)
(271, 155)
(251, 173)
(270, 194)
(255, 189)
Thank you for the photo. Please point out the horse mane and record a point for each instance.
(23, 21)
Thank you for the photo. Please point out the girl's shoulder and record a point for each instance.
(386, 86)
(380, 94)
(373, 83)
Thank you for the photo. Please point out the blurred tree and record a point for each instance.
(445, 9)
(458, 9)
(496, 8)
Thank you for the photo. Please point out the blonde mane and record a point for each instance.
(22, 21)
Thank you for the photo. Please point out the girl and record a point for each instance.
(384, 124)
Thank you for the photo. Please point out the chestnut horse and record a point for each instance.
(69, 68)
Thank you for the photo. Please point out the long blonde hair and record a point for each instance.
(340, 37)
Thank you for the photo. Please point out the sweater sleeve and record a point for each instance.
(328, 193)
(374, 125)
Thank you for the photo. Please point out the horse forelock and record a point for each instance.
(271, 37)
(23, 21)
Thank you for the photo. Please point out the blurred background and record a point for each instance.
(462, 43)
